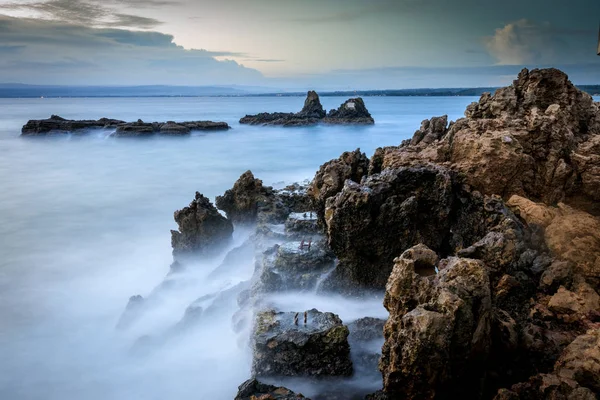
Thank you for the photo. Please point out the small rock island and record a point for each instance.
(56, 124)
(351, 112)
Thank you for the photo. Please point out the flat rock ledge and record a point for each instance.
(57, 125)
(351, 112)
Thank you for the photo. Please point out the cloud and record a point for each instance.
(49, 52)
(265, 60)
(528, 42)
(91, 13)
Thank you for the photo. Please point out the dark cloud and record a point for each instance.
(50, 52)
(133, 21)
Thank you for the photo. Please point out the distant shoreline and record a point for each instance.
(31, 92)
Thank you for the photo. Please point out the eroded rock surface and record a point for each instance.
(252, 389)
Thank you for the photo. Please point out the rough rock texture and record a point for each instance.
(331, 176)
(255, 390)
(202, 229)
(56, 124)
(439, 327)
(248, 199)
(317, 348)
(570, 234)
(538, 138)
(352, 112)
(420, 204)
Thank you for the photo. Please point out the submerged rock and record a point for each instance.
(352, 112)
(285, 345)
(252, 389)
(202, 229)
(56, 124)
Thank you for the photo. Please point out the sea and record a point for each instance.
(85, 223)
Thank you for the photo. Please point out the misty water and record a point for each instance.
(85, 224)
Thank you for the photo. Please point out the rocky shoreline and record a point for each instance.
(483, 234)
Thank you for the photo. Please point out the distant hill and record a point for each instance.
(17, 90)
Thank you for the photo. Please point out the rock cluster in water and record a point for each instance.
(483, 233)
(351, 112)
(56, 124)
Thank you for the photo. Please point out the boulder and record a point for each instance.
(284, 344)
(202, 229)
(252, 389)
(312, 106)
(172, 128)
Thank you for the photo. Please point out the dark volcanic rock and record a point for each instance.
(285, 345)
(56, 124)
(255, 390)
(202, 229)
(352, 112)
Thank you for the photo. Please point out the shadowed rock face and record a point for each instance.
(56, 124)
(255, 390)
(285, 345)
(202, 229)
(352, 112)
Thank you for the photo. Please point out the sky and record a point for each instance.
(293, 44)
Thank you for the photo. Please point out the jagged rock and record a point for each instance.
(537, 138)
(431, 130)
(437, 338)
(351, 112)
(420, 204)
(559, 273)
(247, 198)
(546, 387)
(202, 229)
(317, 348)
(302, 225)
(583, 300)
(56, 124)
(295, 197)
(332, 175)
(252, 389)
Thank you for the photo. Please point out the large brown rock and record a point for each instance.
(202, 229)
(537, 138)
(437, 338)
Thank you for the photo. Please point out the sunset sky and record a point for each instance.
(332, 44)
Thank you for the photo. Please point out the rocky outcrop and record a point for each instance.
(308, 343)
(331, 176)
(56, 124)
(255, 390)
(352, 112)
(202, 229)
(538, 138)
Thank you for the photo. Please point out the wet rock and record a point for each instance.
(437, 338)
(141, 128)
(366, 339)
(537, 138)
(172, 128)
(202, 229)
(285, 345)
(56, 124)
(252, 389)
(302, 225)
(332, 175)
(291, 267)
(351, 112)
(295, 197)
